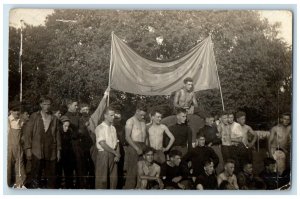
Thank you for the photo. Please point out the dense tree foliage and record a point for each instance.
(71, 58)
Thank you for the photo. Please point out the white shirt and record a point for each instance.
(14, 123)
(236, 130)
(106, 133)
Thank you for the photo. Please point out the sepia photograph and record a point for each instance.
(140, 99)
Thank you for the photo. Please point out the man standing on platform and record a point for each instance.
(185, 97)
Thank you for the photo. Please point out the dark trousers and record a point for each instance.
(227, 153)
(65, 171)
(46, 167)
(241, 155)
(80, 166)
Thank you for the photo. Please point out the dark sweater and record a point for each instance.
(198, 156)
(168, 173)
(208, 182)
(182, 134)
(210, 134)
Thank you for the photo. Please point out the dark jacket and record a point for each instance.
(33, 133)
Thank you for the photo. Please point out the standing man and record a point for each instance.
(280, 142)
(42, 143)
(156, 132)
(135, 135)
(185, 97)
(106, 171)
(246, 146)
(182, 133)
(225, 132)
(16, 174)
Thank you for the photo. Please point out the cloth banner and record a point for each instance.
(134, 74)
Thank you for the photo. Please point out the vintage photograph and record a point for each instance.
(150, 99)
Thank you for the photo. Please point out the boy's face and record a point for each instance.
(176, 160)
(248, 168)
(57, 114)
(209, 121)
(25, 116)
(140, 115)
(15, 114)
(66, 126)
(181, 118)
(201, 141)
(85, 110)
(229, 168)
(209, 169)
(188, 86)
(286, 120)
(149, 157)
(110, 116)
(156, 118)
(224, 119)
(242, 120)
(46, 105)
(230, 118)
(73, 107)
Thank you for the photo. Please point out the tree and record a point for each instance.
(71, 59)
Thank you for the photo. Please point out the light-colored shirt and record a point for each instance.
(14, 123)
(225, 133)
(106, 133)
(236, 130)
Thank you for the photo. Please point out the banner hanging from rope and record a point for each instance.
(134, 74)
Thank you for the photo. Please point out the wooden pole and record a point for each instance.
(220, 88)
(20, 62)
(110, 67)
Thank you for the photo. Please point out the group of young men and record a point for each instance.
(76, 150)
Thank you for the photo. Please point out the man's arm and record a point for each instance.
(190, 135)
(220, 180)
(236, 186)
(176, 99)
(171, 136)
(214, 157)
(142, 175)
(195, 101)
(242, 181)
(58, 140)
(28, 136)
(108, 148)
(254, 137)
(271, 140)
(128, 131)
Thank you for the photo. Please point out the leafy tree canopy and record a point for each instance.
(70, 59)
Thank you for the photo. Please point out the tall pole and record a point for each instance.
(220, 88)
(110, 67)
(20, 61)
